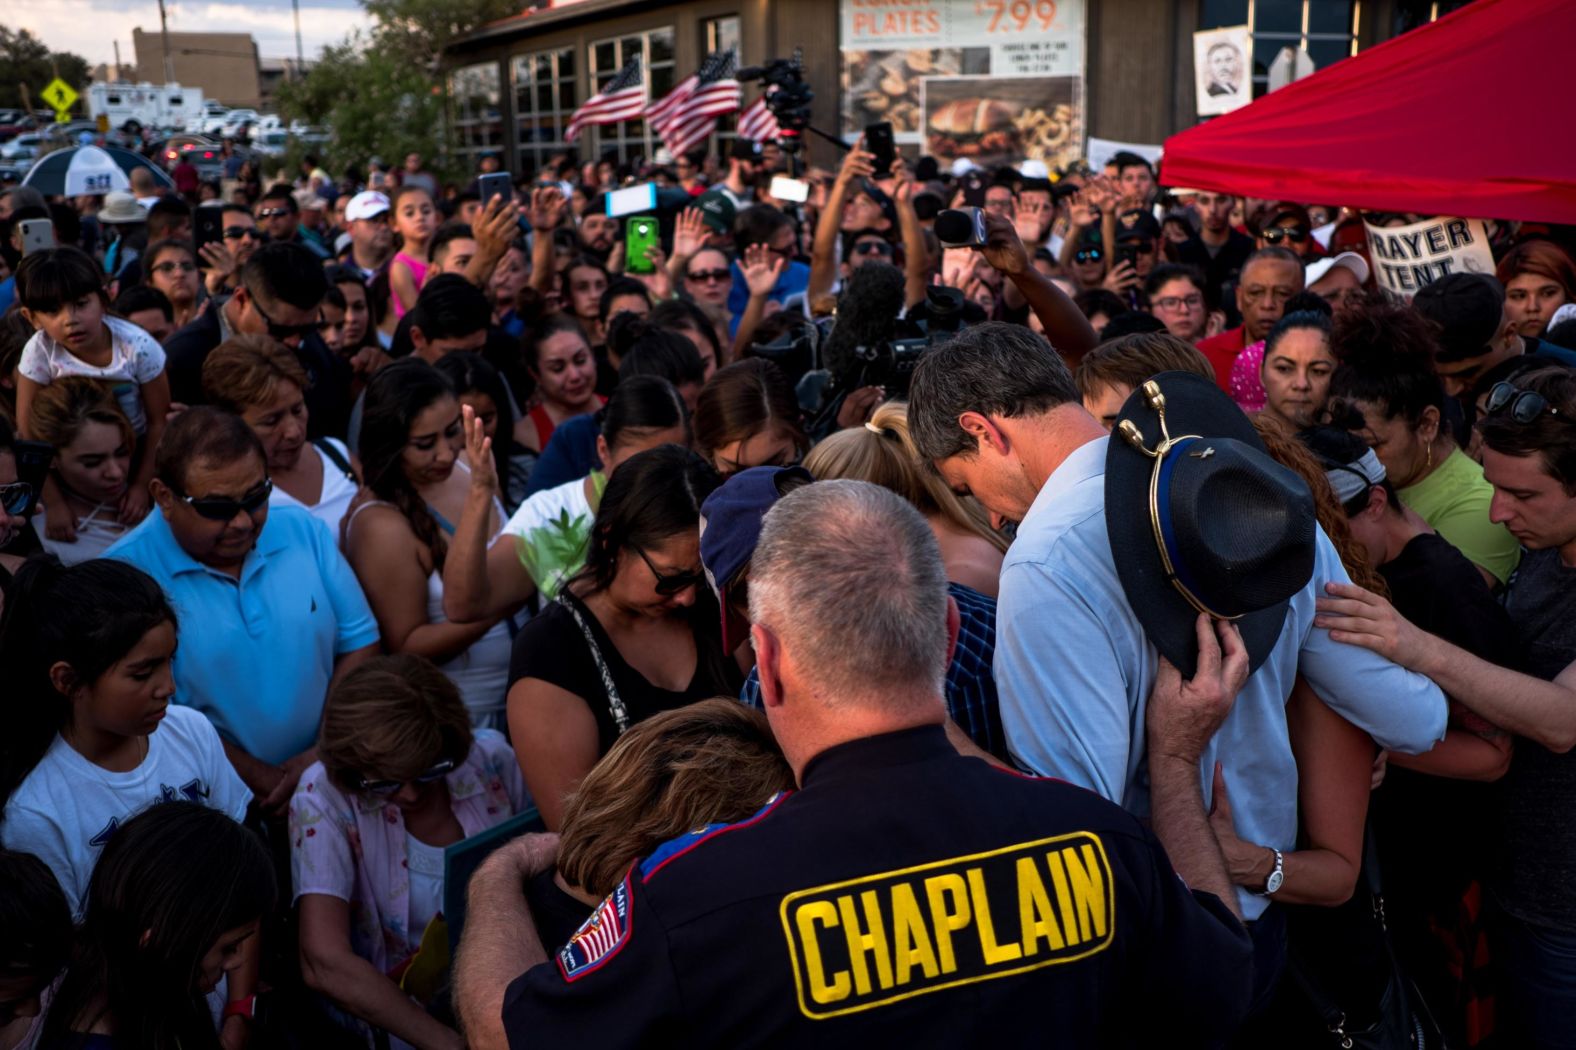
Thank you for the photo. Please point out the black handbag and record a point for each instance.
(1402, 1020)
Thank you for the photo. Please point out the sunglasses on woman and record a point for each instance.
(222, 508)
(1276, 234)
(675, 582)
(1523, 406)
(1088, 255)
(708, 276)
(15, 497)
(434, 773)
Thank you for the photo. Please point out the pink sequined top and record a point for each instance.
(1246, 389)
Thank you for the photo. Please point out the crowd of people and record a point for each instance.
(716, 589)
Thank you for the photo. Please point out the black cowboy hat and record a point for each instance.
(1229, 531)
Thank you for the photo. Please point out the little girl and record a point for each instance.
(62, 296)
(415, 218)
(93, 736)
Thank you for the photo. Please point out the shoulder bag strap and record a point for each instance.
(327, 448)
(614, 702)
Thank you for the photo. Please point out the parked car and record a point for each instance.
(203, 152)
(23, 147)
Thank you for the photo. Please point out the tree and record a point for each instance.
(381, 91)
(24, 59)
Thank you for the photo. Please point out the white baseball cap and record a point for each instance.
(1034, 169)
(367, 204)
(1317, 271)
(962, 166)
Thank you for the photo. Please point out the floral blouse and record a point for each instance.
(353, 846)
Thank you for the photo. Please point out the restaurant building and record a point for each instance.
(1050, 74)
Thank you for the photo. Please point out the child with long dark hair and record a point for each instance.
(92, 736)
(174, 906)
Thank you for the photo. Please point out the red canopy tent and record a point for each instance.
(1469, 116)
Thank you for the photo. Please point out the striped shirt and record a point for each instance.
(970, 686)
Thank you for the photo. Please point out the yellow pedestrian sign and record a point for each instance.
(61, 97)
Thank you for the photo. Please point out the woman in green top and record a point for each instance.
(545, 541)
(1386, 392)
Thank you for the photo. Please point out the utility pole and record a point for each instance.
(300, 59)
(164, 34)
(117, 61)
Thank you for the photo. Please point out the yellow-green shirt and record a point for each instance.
(1454, 500)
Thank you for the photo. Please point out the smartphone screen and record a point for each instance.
(796, 191)
(878, 140)
(640, 234)
(32, 466)
(632, 199)
(495, 184)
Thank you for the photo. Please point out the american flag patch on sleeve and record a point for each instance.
(599, 938)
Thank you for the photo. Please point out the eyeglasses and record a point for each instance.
(15, 497)
(1523, 406)
(184, 266)
(1088, 255)
(287, 331)
(272, 213)
(235, 233)
(674, 583)
(437, 771)
(1180, 302)
(881, 248)
(1275, 234)
(222, 508)
(709, 276)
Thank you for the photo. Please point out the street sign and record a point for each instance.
(59, 95)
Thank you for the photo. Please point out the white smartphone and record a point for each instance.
(785, 189)
(37, 235)
(632, 199)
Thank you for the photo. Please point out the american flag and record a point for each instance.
(599, 936)
(756, 123)
(622, 98)
(688, 113)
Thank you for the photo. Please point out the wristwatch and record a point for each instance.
(1277, 874)
(246, 1008)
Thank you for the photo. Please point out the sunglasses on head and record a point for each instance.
(287, 331)
(1523, 406)
(15, 497)
(881, 248)
(437, 771)
(675, 582)
(708, 276)
(222, 508)
(1276, 234)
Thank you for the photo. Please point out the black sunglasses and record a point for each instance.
(1275, 234)
(272, 213)
(222, 508)
(1085, 255)
(15, 497)
(881, 248)
(708, 276)
(287, 331)
(437, 771)
(235, 233)
(1523, 406)
(677, 581)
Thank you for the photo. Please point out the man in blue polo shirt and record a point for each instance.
(270, 616)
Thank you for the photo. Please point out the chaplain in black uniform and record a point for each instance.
(904, 895)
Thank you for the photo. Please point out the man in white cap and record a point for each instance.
(1339, 281)
(371, 240)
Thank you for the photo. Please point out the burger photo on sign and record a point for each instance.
(1002, 120)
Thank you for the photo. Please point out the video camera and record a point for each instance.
(791, 99)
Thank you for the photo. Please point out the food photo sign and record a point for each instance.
(996, 81)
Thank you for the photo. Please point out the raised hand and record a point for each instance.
(859, 163)
(1002, 249)
(1083, 210)
(762, 268)
(689, 233)
(547, 208)
(497, 225)
(659, 281)
(478, 451)
(1121, 277)
(221, 266)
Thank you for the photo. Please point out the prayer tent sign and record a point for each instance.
(1405, 258)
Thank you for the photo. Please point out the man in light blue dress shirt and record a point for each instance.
(998, 413)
